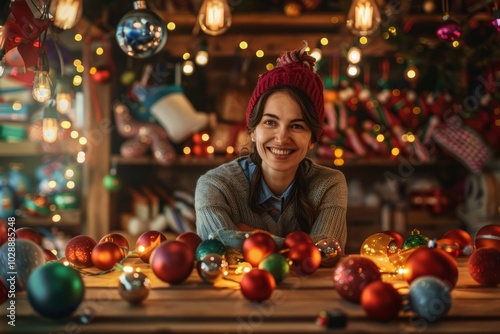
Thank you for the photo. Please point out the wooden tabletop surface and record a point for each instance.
(198, 307)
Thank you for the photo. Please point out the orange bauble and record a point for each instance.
(305, 257)
(257, 285)
(431, 262)
(488, 236)
(106, 255)
(257, 246)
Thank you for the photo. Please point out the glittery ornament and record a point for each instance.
(257, 246)
(378, 247)
(257, 285)
(305, 258)
(430, 298)
(79, 251)
(431, 262)
(277, 265)
(381, 301)
(29, 233)
(449, 31)
(211, 268)
(488, 236)
(416, 239)
(141, 33)
(463, 239)
(210, 246)
(54, 290)
(147, 243)
(352, 274)
(28, 257)
(172, 262)
(191, 239)
(134, 287)
(484, 266)
(331, 251)
(106, 255)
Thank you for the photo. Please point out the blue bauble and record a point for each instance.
(18, 259)
(430, 298)
(141, 33)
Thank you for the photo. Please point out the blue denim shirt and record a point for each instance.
(267, 199)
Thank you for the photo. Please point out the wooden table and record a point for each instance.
(198, 307)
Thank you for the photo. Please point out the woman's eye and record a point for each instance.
(269, 122)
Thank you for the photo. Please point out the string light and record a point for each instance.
(354, 55)
(214, 17)
(50, 122)
(363, 17)
(67, 13)
(41, 86)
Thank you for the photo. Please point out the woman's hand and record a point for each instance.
(247, 228)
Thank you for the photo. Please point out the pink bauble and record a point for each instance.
(352, 274)
(172, 261)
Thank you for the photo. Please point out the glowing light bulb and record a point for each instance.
(201, 58)
(41, 87)
(188, 67)
(49, 123)
(63, 97)
(214, 17)
(352, 70)
(354, 55)
(316, 53)
(66, 13)
(363, 17)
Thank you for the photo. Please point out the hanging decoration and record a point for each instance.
(214, 17)
(141, 33)
(363, 17)
(450, 30)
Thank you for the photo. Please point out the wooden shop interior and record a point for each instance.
(414, 124)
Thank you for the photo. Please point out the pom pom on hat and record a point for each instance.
(295, 69)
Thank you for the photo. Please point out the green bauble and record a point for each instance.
(277, 265)
(66, 201)
(54, 290)
(111, 182)
(416, 239)
(210, 246)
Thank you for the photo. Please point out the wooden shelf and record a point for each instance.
(16, 149)
(70, 218)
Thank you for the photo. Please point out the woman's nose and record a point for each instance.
(282, 135)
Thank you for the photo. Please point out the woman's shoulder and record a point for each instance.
(230, 169)
(322, 173)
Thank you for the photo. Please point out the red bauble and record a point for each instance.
(305, 257)
(3, 232)
(257, 285)
(381, 301)
(106, 255)
(431, 262)
(79, 251)
(4, 293)
(398, 238)
(29, 234)
(49, 256)
(488, 236)
(191, 239)
(257, 246)
(484, 266)
(147, 242)
(463, 239)
(118, 239)
(172, 261)
(296, 237)
(352, 274)
(448, 246)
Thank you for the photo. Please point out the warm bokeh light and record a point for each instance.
(171, 26)
(243, 45)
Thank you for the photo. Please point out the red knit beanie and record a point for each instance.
(296, 69)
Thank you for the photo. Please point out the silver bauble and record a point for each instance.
(134, 287)
(211, 267)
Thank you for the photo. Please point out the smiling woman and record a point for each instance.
(276, 188)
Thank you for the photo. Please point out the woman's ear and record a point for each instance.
(311, 145)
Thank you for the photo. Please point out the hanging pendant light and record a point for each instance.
(214, 17)
(63, 96)
(41, 86)
(66, 13)
(50, 123)
(363, 18)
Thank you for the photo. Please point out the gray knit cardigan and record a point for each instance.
(221, 200)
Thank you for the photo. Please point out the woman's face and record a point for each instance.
(282, 137)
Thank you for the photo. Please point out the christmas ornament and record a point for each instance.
(49, 256)
(449, 31)
(4, 293)
(3, 232)
(331, 251)
(106, 255)
(111, 182)
(415, 240)
(463, 239)
(172, 261)
(257, 246)
(296, 237)
(398, 238)
(257, 285)
(191, 239)
(431, 262)
(54, 290)
(141, 33)
(8, 199)
(381, 301)
(211, 268)
(79, 251)
(36, 205)
(134, 287)
(66, 201)
(446, 245)
(277, 265)
(29, 234)
(28, 256)
(484, 266)
(430, 298)
(352, 274)
(378, 247)
(118, 239)
(488, 236)
(147, 243)
(305, 258)
(210, 246)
